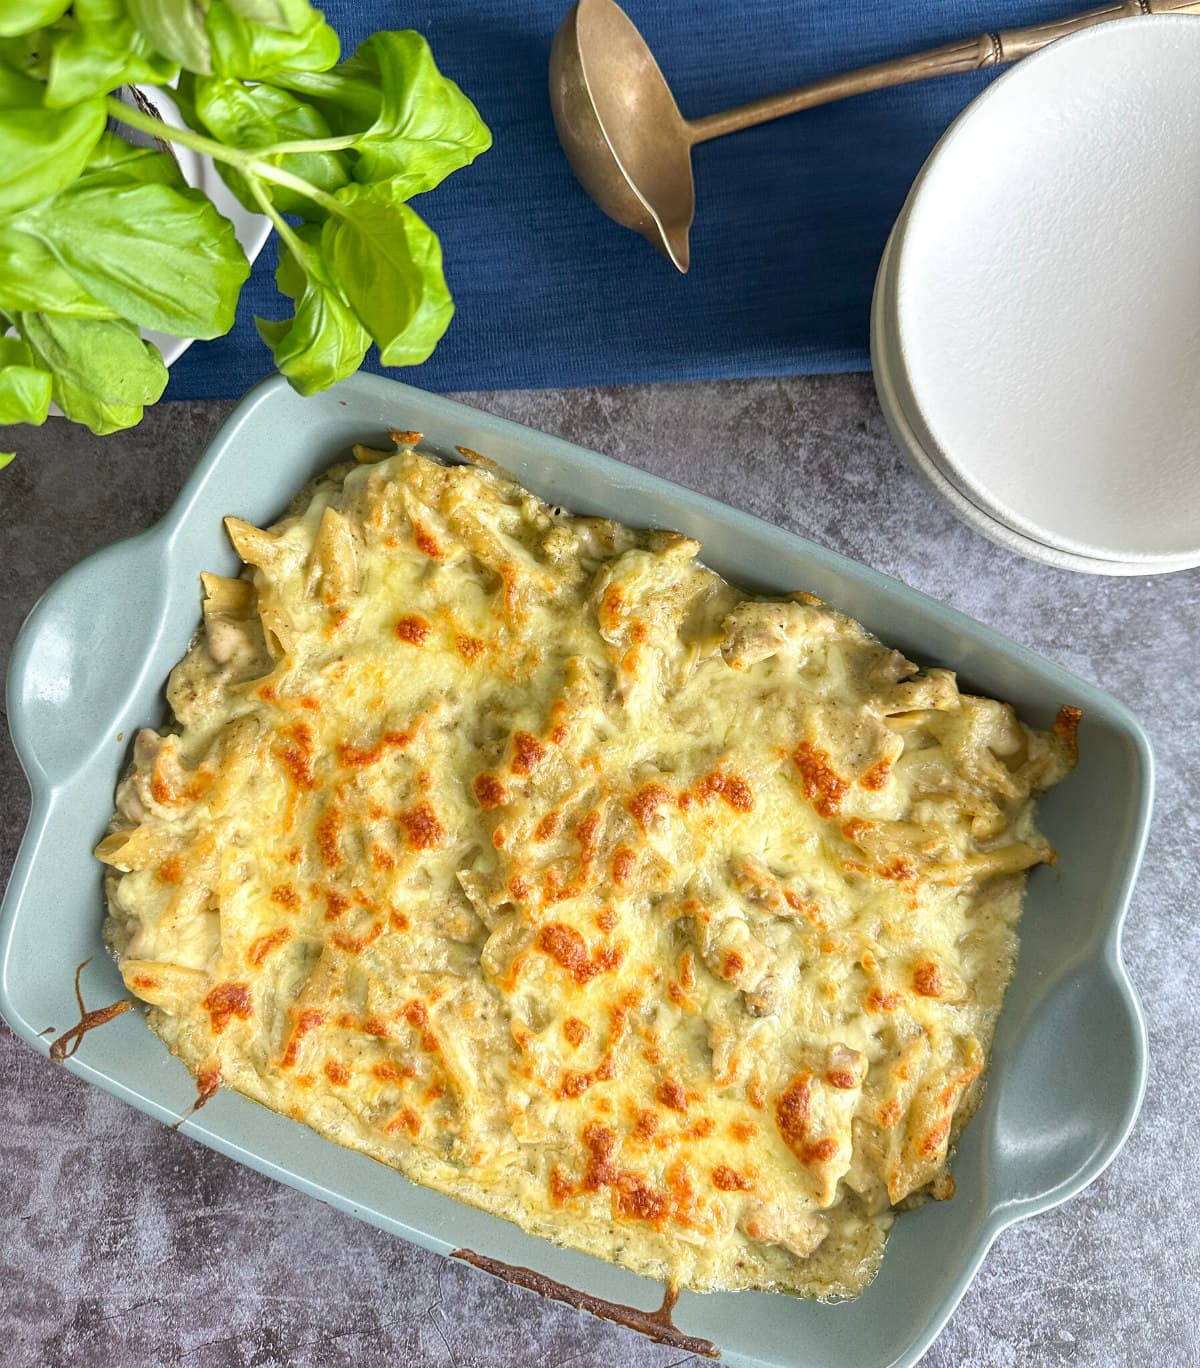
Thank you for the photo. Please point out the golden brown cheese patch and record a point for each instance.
(262, 946)
(646, 802)
(731, 788)
(413, 629)
(528, 753)
(422, 827)
(567, 947)
(225, 1001)
(296, 753)
(522, 853)
(927, 980)
(822, 784)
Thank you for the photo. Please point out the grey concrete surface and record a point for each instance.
(123, 1243)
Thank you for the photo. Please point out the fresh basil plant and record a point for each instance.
(99, 239)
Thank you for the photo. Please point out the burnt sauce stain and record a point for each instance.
(656, 1325)
(65, 1045)
(208, 1082)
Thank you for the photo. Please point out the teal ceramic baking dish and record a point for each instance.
(1069, 1066)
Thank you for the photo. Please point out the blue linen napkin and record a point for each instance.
(791, 217)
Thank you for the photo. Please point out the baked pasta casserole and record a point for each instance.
(524, 854)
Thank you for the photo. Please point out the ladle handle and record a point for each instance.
(971, 54)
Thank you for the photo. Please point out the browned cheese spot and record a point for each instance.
(171, 870)
(646, 802)
(329, 837)
(587, 833)
(422, 827)
(226, 1001)
(337, 1073)
(671, 1095)
(791, 1111)
(1066, 724)
(730, 1180)
(877, 776)
(286, 896)
(489, 791)
(426, 542)
(335, 904)
(823, 786)
(296, 755)
(305, 1022)
(548, 825)
(406, 1119)
(610, 608)
(730, 788)
(927, 980)
(413, 629)
(528, 753)
(623, 863)
(263, 945)
(880, 1000)
(567, 948)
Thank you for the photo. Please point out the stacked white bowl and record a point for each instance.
(1035, 331)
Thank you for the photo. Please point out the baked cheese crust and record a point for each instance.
(526, 855)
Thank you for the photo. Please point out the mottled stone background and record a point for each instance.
(124, 1243)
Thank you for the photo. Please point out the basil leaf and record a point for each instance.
(21, 57)
(22, 16)
(104, 374)
(18, 91)
(44, 150)
(100, 51)
(116, 162)
(183, 94)
(31, 281)
(417, 126)
(176, 29)
(323, 342)
(269, 12)
(256, 116)
(24, 386)
(293, 15)
(159, 255)
(346, 95)
(7, 458)
(426, 126)
(246, 49)
(388, 263)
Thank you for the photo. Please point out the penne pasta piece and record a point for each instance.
(163, 984)
(253, 545)
(1009, 859)
(108, 851)
(366, 455)
(231, 597)
(333, 562)
(136, 848)
(277, 629)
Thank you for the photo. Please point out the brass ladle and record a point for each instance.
(631, 148)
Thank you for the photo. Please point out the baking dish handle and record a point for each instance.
(70, 686)
(1072, 1094)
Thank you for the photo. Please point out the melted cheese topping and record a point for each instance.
(523, 853)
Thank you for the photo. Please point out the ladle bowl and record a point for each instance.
(631, 148)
